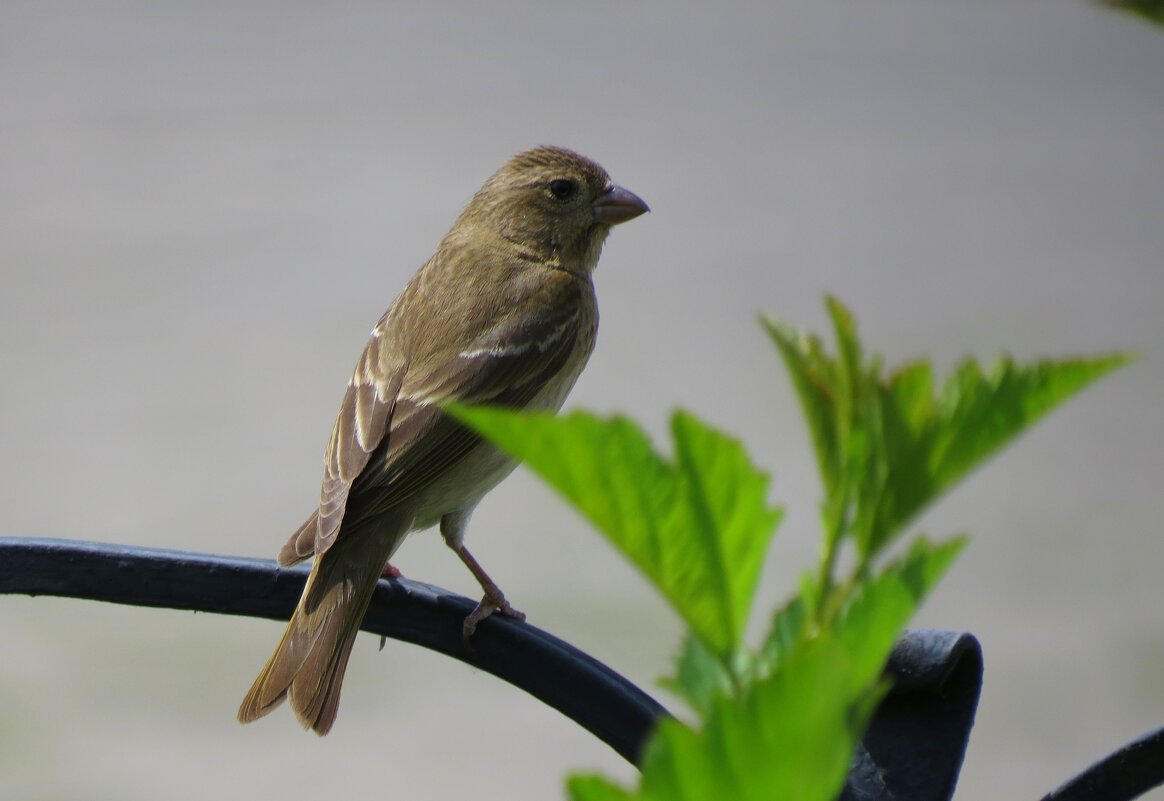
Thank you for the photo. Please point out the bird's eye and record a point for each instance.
(562, 188)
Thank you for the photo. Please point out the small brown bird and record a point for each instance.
(503, 313)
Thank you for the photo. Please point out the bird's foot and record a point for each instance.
(494, 601)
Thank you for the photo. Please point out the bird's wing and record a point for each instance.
(391, 439)
(508, 365)
(360, 428)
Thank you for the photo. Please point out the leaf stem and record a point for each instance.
(834, 524)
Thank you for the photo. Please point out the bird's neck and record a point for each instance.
(577, 258)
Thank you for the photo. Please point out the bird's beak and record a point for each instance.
(617, 205)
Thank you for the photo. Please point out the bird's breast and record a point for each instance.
(483, 468)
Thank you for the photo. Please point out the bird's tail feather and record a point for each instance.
(309, 662)
(302, 542)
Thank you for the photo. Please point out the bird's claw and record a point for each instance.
(492, 602)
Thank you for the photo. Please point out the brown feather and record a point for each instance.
(309, 662)
(508, 364)
(364, 419)
(302, 542)
(360, 429)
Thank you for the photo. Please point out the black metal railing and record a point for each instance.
(912, 751)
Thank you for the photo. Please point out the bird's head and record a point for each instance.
(555, 203)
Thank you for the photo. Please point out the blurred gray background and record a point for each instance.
(206, 206)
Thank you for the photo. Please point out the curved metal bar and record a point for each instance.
(577, 685)
(914, 745)
(1120, 776)
(912, 750)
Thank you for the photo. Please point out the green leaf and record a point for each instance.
(889, 446)
(698, 526)
(879, 609)
(596, 788)
(789, 630)
(813, 376)
(976, 414)
(783, 722)
(699, 676)
(790, 735)
(931, 442)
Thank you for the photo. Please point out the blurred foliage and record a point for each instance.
(782, 720)
(1151, 10)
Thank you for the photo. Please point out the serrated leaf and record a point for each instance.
(697, 526)
(850, 361)
(700, 676)
(813, 377)
(879, 608)
(932, 442)
(790, 735)
(788, 630)
(979, 413)
(889, 446)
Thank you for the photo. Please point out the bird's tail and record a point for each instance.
(308, 664)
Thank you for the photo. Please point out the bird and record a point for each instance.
(503, 313)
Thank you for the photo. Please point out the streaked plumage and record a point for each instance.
(503, 313)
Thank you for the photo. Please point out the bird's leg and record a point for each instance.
(494, 600)
(453, 527)
(392, 573)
